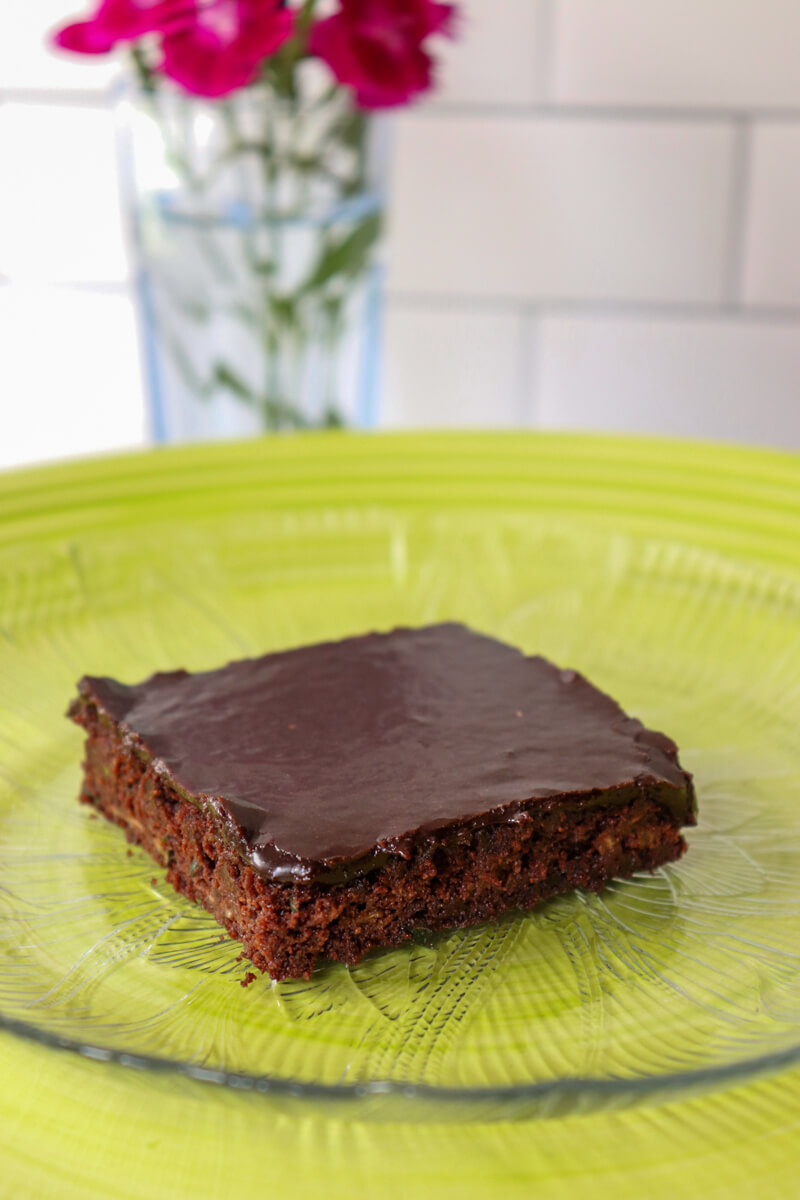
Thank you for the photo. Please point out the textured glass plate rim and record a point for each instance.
(661, 1087)
(744, 478)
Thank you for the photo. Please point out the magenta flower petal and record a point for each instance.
(210, 47)
(225, 45)
(416, 77)
(437, 18)
(264, 30)
(84, 37)
(116, 21)
(194, 61)
(376, 47)
(332, 41)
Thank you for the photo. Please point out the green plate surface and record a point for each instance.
(668, 572)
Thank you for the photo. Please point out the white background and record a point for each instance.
(594, 225)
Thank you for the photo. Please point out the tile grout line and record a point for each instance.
(589, 309)
(99, 98)
(640, 113)
(543, 105)
(733, 266)
(106, 287)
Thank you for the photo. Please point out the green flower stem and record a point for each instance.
(142, 69)
(270, 170)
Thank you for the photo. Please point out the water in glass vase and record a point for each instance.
(257, 224)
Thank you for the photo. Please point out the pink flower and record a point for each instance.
(210, 47)
(376, 47)
(224, 44)
(118, 21)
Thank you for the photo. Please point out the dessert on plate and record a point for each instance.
(330, 799)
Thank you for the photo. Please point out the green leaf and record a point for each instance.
(350, 128)
(143, 69)
(226, 377)
(280, 415)
(283, 310)
(347, 257)
(303, 19)
(305, 163)
(332, 418)
(332, 308)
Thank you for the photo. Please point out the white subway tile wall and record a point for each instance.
(539, 208)
(593, 225)
(735, 54)
(474, 356)
(495, 59)
(772, 244)
(700, 376)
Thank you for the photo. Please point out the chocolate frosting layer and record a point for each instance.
(325, 758)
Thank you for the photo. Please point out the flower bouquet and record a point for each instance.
(255, 159)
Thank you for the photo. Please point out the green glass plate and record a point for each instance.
(668, 573)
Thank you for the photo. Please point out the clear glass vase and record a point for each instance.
(257, 232)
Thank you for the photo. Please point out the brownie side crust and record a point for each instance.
(447, 879)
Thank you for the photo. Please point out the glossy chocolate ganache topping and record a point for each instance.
(325, 759)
